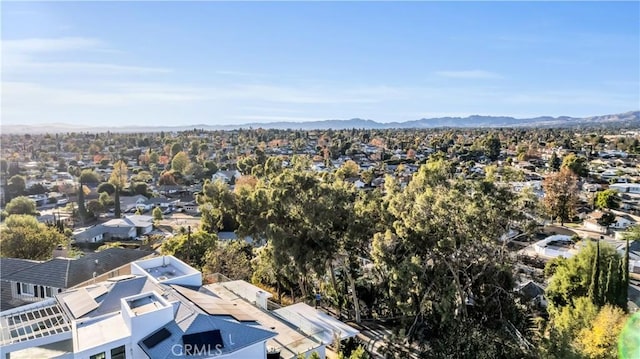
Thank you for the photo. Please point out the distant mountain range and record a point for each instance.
(627, 119)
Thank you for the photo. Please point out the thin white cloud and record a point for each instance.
(240, 73)
(39, 45)
(469, 74)
(28, 57)
(30, 67)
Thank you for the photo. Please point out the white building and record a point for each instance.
(626, 187)
(161, 310)
(554, 246)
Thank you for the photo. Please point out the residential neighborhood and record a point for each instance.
(181, 198)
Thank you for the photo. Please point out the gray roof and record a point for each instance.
(90, 232)
(9, 266)
(160, 200)
(12, 265)
(189, 319)
(66, 272)
(235, 336)
(130, 221)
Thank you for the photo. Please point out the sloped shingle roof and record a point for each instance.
(66, 272)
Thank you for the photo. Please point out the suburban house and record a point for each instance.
(533, 293)
(626, 187)
(557, 245)
(162, 310)
(133, 203)
(621, 222)
(129, 227)
(226, 176)
(189, 207)
(162, 202)
(25, 281)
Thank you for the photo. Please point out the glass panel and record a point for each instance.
(118, 353)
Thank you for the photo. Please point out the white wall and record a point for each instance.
(106, 348)
(256, 351)
(594, 227)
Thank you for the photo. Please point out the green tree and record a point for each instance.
(105, 199)
(554, 162)
(107, 188)
(348, 169)
(560, 194)
(180, 162)
(22, 236)
(157, 214)
(95, 207)
(140, 188)
(440, 275)
(492, 147)
(607, 199)
(119, 178)
(574, 277)
(233, 259)
(190, 247)
(21, 205)
(607, 219)
(577, 165)
(594, 286)
(16, 186)
(215, 200)
(89, 176)
(175, 149)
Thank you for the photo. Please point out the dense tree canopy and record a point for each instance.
(560, 194)
(21, 205)
(22, 236)
(607, 199)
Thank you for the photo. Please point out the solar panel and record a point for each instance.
(155, 338)
(213, 305)
(80, 303)
(210, 339)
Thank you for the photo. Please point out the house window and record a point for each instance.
(102, 355)
(27, 289)
(118, 353)
(47, 292)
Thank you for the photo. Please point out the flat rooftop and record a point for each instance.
(164, 272)
(53, 350)
(289, 340)
(145, 305)
(96, 333)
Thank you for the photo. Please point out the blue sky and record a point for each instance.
(165, 63)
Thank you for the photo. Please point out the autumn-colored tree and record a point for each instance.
(167, 179)
(561, 194)
(600, 338)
